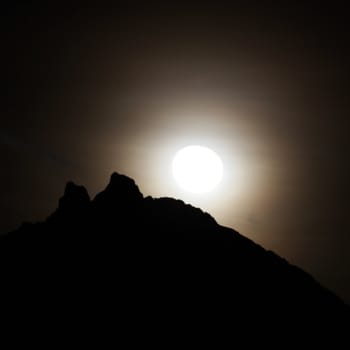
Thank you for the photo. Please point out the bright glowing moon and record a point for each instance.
(197, 169)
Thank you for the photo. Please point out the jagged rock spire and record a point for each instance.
(75, 198)
(121, 190)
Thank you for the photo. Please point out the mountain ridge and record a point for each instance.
(121, 232)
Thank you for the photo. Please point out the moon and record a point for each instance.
(197, 169)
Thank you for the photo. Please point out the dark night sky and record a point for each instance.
(95, 90)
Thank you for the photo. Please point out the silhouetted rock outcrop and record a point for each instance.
(75, 198)
(163, 253)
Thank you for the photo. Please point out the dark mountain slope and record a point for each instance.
(162, 254)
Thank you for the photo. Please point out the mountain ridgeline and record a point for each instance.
(165, 252)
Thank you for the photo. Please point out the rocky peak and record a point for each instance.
(75, 198)
(120, 190)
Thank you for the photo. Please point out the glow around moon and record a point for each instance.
(197, 169)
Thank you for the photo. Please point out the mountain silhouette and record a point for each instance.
(164, 257)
